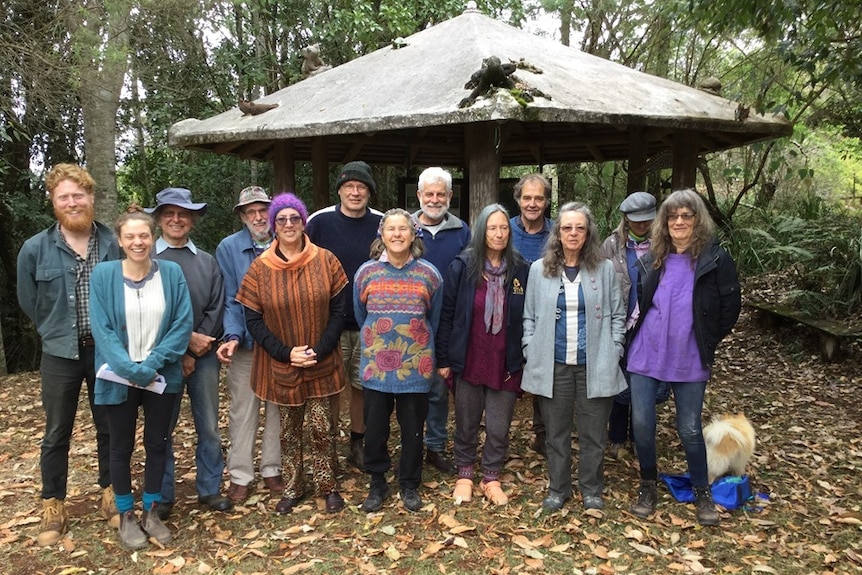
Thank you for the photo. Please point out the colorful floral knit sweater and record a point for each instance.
(398, 311)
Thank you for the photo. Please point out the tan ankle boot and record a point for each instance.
(108, 507)
(54, 522)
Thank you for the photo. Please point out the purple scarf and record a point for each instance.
(495, 296)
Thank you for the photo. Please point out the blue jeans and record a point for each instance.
(438, 414)
(61, 385)
(202, 386)
(688, 398)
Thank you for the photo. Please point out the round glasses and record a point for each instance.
(294, 220)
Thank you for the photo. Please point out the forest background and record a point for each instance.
(99, 82)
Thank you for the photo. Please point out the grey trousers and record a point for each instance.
(470, 402)
(570, 403)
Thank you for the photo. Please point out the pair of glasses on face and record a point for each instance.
(579, 230)
(253, 213)
(282, 220)
(672, 218)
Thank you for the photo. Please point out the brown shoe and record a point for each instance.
(55, 523)
(237, 493)
(108, 507)
(274, 483)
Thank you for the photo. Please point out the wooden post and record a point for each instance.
(636, 181)
(319, 173)
(284, 167)
(483, 166)
(685, 151)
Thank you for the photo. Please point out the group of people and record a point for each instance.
(403, 308)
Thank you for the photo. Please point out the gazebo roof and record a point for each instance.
(399, 106)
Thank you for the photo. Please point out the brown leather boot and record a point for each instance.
(55, 522)
(108, 507)
(153, 526)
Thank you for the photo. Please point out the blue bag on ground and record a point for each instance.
(731, 492)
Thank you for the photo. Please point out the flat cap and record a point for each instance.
(639, 207)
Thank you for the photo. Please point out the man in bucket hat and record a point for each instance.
(347, 230)
(235, 254)
(176, 214)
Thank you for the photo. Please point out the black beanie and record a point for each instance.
(356, 171)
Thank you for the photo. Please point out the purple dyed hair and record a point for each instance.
(286, 200)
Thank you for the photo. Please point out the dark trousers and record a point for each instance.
(123, 421)
(410, 410)
(620, 423)
(61, 385)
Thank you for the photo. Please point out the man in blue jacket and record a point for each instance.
(444, 236)
(235, 254)
(54, 268)
(530, 231)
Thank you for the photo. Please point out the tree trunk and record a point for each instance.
(100, 39)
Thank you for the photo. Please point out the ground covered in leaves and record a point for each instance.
(807, 466)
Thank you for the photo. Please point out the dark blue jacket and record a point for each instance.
(716, 301)
(457, 314)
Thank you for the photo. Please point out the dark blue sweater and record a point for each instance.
(349, 239)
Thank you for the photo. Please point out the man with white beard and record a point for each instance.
(54, 269)
(235, 254)
(444, 236)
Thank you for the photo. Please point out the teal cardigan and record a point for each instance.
(108, 321)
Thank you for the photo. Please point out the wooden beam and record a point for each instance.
(482, 158)
(636, 181)
(685, 151)
(319, 173)
(284, 167)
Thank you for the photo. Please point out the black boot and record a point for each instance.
(706, 513)
(647, 498)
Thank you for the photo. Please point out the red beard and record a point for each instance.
(79, 223)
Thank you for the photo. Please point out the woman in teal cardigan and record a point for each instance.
(141, 318)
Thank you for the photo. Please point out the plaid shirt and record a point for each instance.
(83, 269)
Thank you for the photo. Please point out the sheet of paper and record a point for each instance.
(105, 372)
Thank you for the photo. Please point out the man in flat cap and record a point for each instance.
(235, 254)
(176, 214)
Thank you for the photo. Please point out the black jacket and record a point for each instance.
(717, 300)
(457, 314)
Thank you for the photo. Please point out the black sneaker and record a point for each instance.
(410, 499)
(375, 499)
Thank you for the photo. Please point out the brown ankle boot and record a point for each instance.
(108, 507)
(55, 522)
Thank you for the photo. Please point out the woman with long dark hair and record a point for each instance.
(479, 346)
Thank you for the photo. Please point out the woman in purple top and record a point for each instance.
(479, 347)
(689, 300)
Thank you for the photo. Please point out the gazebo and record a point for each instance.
(400, 106)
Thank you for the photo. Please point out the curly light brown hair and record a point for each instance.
(70, 172)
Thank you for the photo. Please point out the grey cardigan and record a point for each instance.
(605, 328)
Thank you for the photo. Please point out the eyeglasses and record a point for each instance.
(256, 212)
(294, 220)
(576, 229)
(351, 187)
(671, 218)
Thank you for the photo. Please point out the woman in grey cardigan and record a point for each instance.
(573, 340)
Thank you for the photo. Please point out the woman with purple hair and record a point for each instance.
(295, 300)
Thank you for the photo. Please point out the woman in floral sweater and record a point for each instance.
(397, 298)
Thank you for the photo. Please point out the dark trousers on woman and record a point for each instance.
(123, 421)
(61, 385)
(471, 401)
(411, 409)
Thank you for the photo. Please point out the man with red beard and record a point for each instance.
(54, 269)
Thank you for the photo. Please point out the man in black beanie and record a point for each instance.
(347, 230)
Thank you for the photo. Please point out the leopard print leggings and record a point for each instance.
(321, 447)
